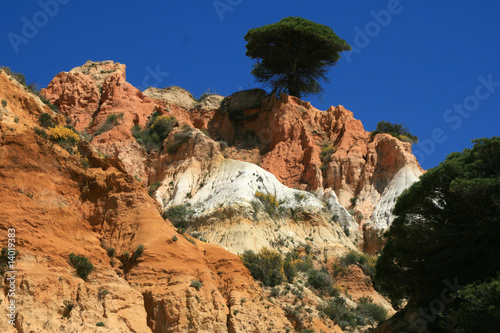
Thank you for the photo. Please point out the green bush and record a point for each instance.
(396, 130)
(342, 315)
(196, 284)
(111, 252)
(478, 309)
(179, 139)
(179, 215)
(269, 201)
(4, 103)
(82, 264)
(156, 131)
(372, 312)
(47, 102)
(45, 120)
(112, 120)
(139, 251)
(326, 155)
(321, 280)
(265, 266)
(152, 189)
(100, 324)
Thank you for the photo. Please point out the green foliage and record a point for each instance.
(364, 313)
(152, 189)
(100, 324)
(479, 308)
(156, 131)
(396, 130)
(293, 54)
(4, 103)
(321, 280)
(326, 155)
(353, 201)
(266, 266)
(111, 252)
(41, 132)
(372, 311)
(179, 215)
(68, 307)
(45, 120)
(339, 312)
(196, 284)
(139, 251)
(47, 102)
(82, 264)
(446, 227)
(112, 120)
(269, 201)
(222, 144)
(175, 239)
(179, 139)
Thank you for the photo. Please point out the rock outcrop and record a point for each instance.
(58, 206)
(303, 147)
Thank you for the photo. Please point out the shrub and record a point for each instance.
(82, 264)
(326, 155)
(63, 134)
(68, 306)
(100, 324)
(41, 132)
(337, 310)
(179, 139)
(111, 252)
(152, 189)
(157, 129)
(222, 144)
(269, 201)
(396, 130)
(45, 120)
(196, 284)
(299, 197)
(372, 312)
(47, 102)
(112, 120)
(139, 251)
(179, 215)
(353, 201)
(367, 263)
(175, 239)
(4, 103)
(321, 280)
(266, 266)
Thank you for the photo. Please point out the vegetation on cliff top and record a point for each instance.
(294, 54)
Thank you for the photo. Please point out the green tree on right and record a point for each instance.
(447, 233)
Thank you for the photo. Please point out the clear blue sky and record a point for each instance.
(412, 67)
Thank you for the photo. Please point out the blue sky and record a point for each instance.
(432, 65)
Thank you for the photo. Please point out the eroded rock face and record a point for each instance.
(58, 207)
(303, 147)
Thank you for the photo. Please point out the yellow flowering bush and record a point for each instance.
(60, 133)
(269, 201)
